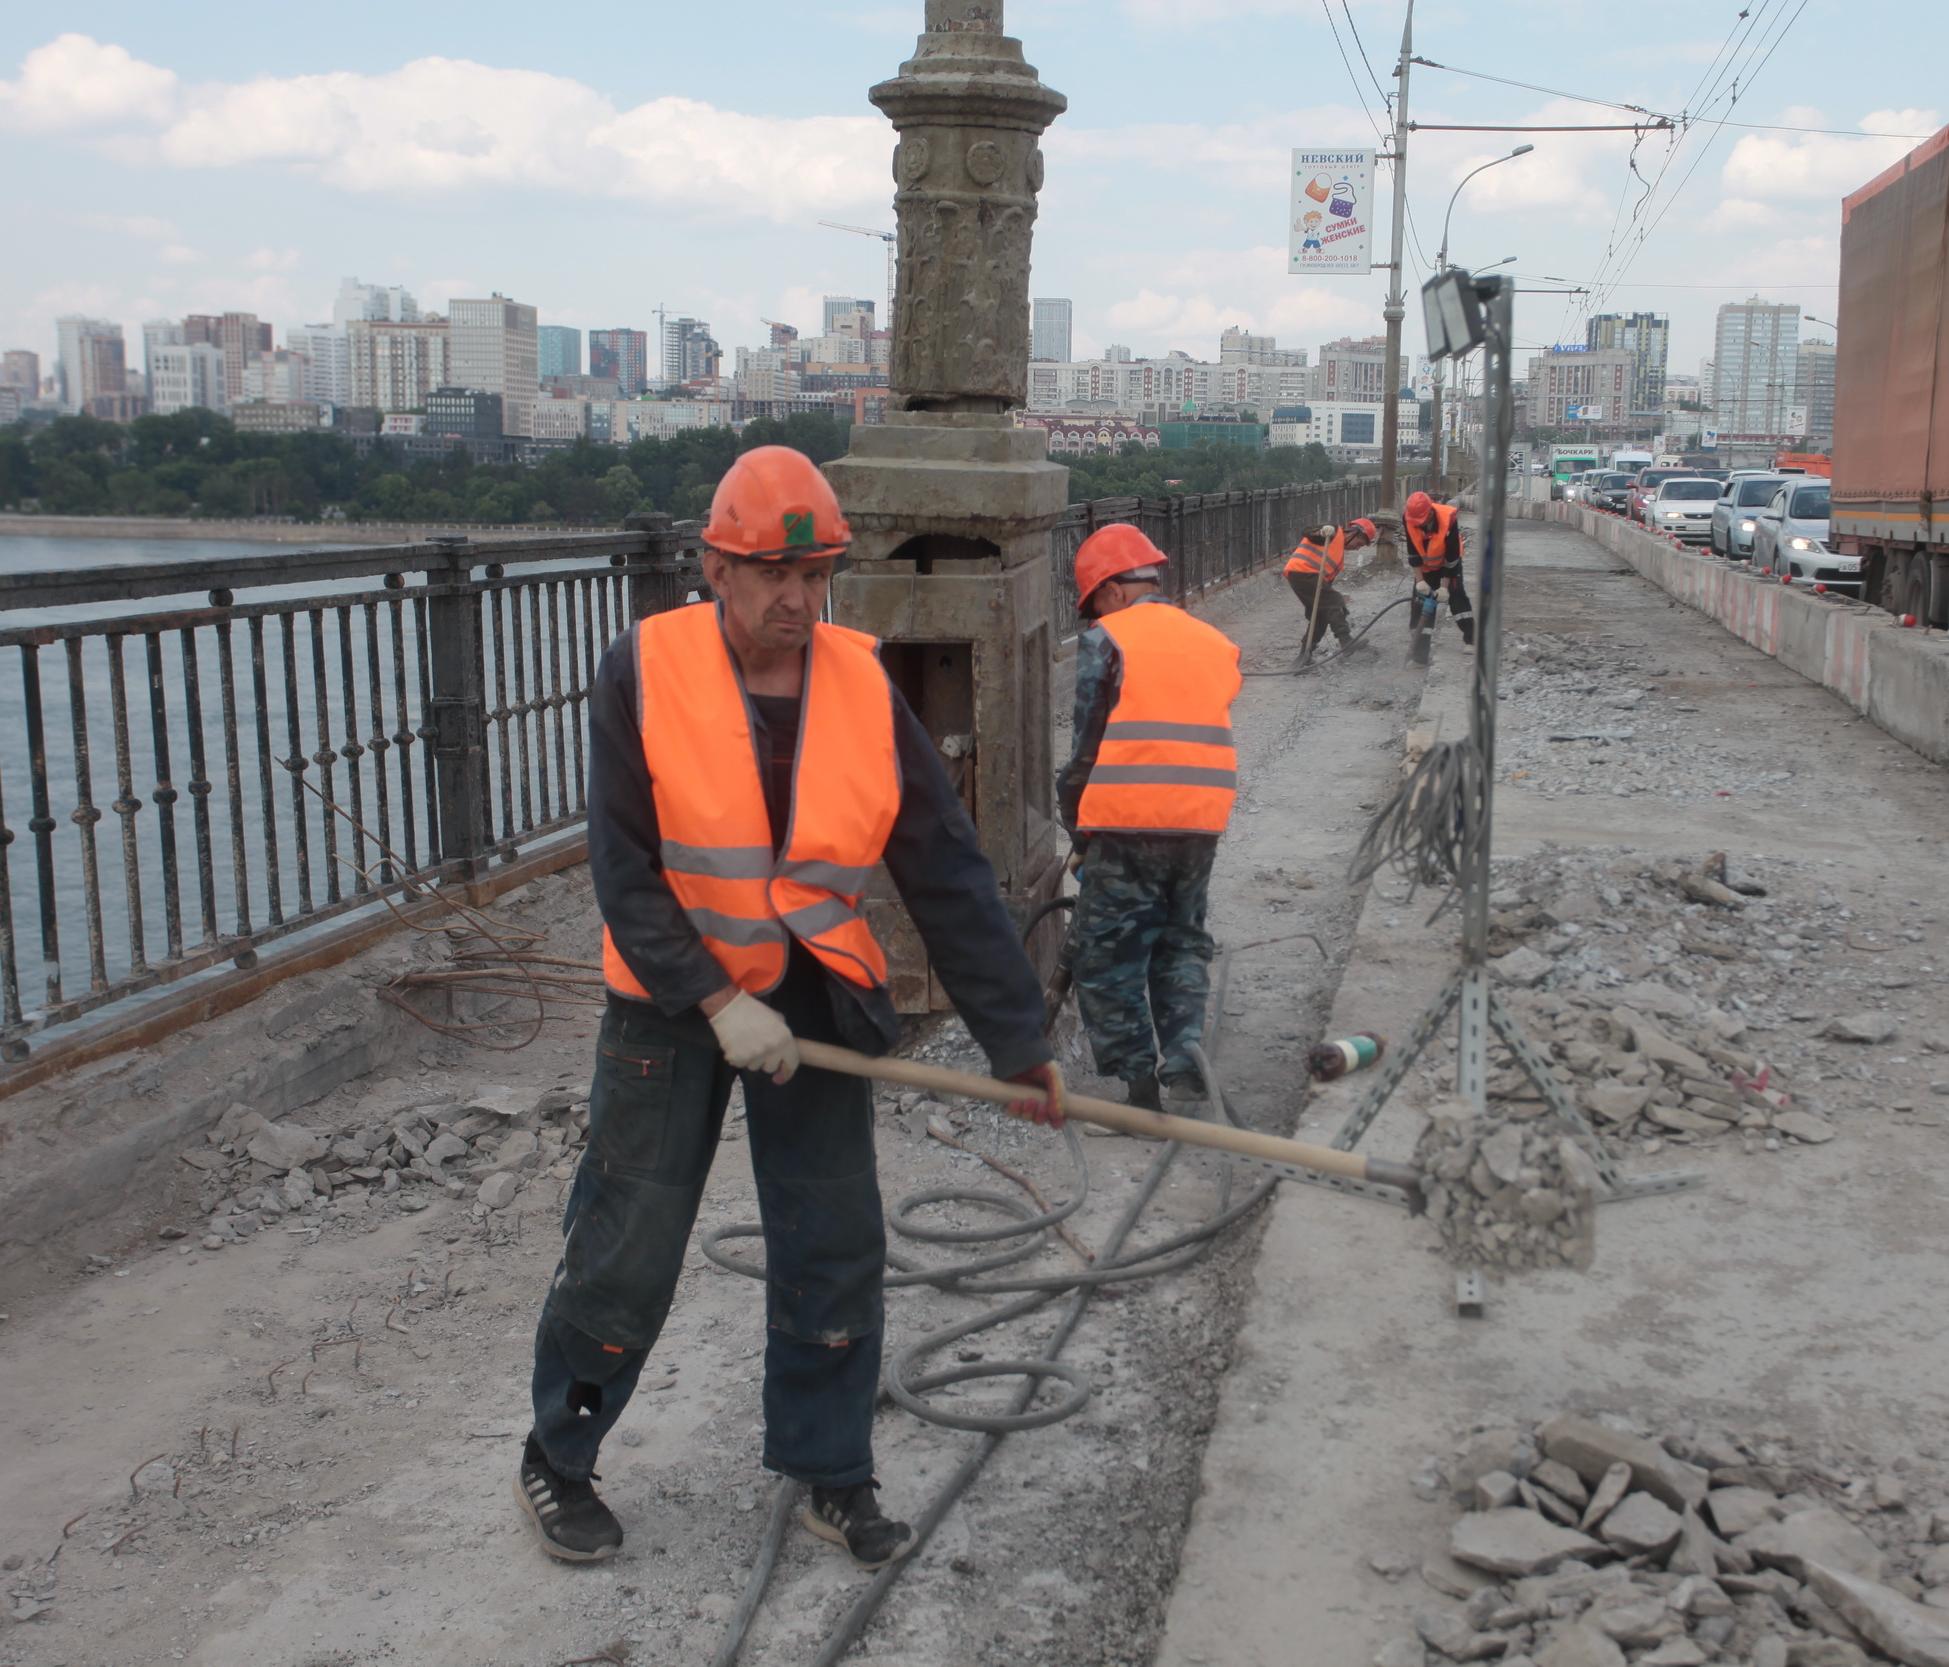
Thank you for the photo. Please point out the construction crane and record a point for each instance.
(890, 239)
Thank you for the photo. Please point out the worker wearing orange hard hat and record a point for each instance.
(750, 766)
(1313, 569)
(1145, 795)
(1434, 535)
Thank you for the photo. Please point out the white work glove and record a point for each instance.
(755, 1038)
(1423, 588)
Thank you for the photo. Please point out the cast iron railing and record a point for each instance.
(326, 726)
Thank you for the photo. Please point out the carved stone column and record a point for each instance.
(950, 503)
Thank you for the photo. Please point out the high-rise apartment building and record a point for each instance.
(185, 375)
(1356, 369)
(1049, 327)
(328, 369)
(689, 352)
(241, 336)
(494, 349)
(393, 367)
(842, 316)
(1647, 338)
(1241, 347)
(158, 332)
(277, 376)
(783, 336)
(1814, 395)
(90, 363)
(391, 303)
(558, 351)
(20, 368)
(622, 356)
(1755, 361)
(1586, 392)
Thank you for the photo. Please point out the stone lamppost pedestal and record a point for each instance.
(950, 503)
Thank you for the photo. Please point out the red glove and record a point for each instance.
(1047, 1108)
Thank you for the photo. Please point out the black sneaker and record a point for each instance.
(852, 1517)
(1143, 1092)
(572, 1521)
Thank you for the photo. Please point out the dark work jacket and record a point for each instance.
(933, 856)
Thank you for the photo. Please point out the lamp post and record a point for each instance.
(1441, 265)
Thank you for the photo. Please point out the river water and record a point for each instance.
(380, 648)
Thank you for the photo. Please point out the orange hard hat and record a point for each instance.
(774, 505)
(1110, 552)
(1365, 528)
(1419, 507)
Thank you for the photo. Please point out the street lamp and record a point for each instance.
(1441, 265)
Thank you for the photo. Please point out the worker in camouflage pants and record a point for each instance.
(1145, 795)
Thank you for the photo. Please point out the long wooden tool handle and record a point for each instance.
(1154, 1125)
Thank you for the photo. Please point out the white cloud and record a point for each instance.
(143, 226)
(1742, 213)
(1818, 165)
(272, 260)
(1195, 295)
(75, 81)
(178, 254)
(448, 124)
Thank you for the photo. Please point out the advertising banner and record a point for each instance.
(1331, 212)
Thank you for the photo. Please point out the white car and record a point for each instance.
(1683, 505)
(1791, 539)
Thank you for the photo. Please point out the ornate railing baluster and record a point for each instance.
(326, 755)
(352, 752)
(521, 710)
(539, 705)
(164, 798)
(578, 646)
(557, 699)
(199, 783)
(266, 777)
(41, 823)
(126, 805)
(403, 735)
(295, 764)
(423, 730)
(11, 1017)
(85, 816)
(379, 743)
(500, 713)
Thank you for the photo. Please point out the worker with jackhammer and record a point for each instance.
(1313, 569)
(1145, 795)
(1434, 535)
(749, 767)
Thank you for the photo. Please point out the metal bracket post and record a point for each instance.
(1395, 1067)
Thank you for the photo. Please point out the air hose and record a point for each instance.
(907, 1386)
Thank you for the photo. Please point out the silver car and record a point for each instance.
(1791, 539)
(1735, 517)
(1683, 506)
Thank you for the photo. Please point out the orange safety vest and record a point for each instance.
(1430, 549)
(1167, 763)
(746, 902)
(1309, 558)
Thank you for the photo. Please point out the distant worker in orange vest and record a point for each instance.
(749, 768)
(1145, 795)
(1313, 570)
(1434, 533)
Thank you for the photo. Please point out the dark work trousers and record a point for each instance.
(1333, 609)
(1460, 608)
(1142, 959)
(655, 1113)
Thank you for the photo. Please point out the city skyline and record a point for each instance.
(248, 177)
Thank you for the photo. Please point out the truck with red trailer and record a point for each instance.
(1891, 385)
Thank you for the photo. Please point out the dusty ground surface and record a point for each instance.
(297, 1450)
(1794, 1304)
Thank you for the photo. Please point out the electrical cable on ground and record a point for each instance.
(1339, 653)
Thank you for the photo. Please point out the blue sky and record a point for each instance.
(597, 159)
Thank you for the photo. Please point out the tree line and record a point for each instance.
(195, 463)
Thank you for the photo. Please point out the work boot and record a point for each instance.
(1187, 1088)
(1143, 1092)
(1467, 625)
(572, 1521)
(852, 1517)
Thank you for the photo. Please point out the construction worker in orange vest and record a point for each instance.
(1145, 795)
(1434, 533)
(749, 768)
(1315, 566)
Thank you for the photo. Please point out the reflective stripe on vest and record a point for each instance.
(1308, 557)
(746, 902)
(1167, 763)
(1431, 549)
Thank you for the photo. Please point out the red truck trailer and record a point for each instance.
(1891, 384)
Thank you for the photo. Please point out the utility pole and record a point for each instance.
(1396, 308)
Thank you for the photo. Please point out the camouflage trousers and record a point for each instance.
(1139, 951)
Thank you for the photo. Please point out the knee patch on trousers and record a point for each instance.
(593, 1362)
(825, 1254)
